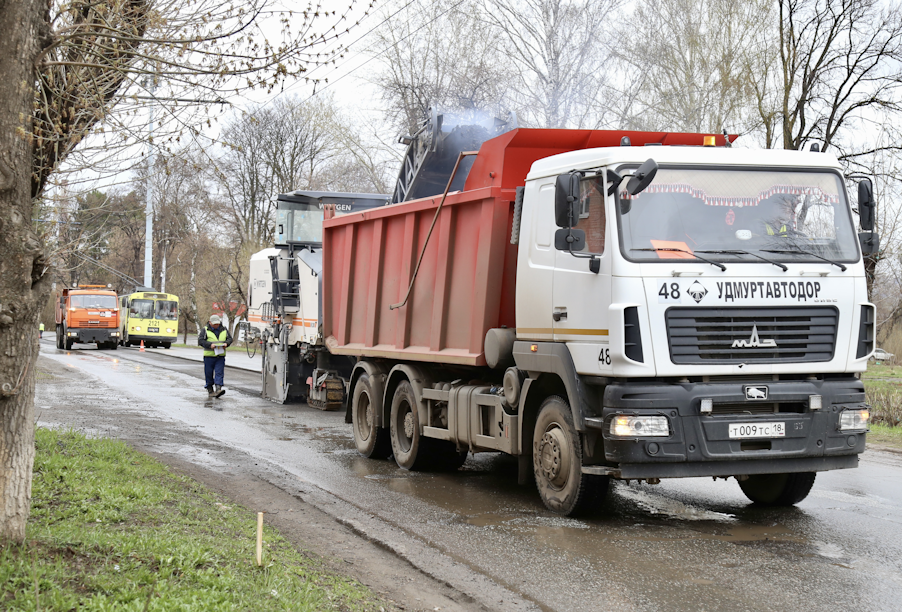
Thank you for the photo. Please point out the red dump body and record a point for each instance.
(466, 282)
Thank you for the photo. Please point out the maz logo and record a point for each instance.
(755, 341)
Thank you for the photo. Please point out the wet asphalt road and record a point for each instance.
(689, 544)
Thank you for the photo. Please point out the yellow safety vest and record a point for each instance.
(211, 337)
(782, 232)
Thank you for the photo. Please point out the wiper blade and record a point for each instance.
(801, 252)
(740, 252)
(713, 263)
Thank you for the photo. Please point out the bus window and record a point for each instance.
(142, 309)
(167, 310)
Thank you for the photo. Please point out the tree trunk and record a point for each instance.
(24, 284)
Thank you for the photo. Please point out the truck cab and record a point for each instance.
(720, 313)
(87, 314)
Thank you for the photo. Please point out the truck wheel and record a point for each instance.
(372, 441)
(778, 489)
(113, 345)
(59, 337)
(69, 344)
(408, 447)
(557, 463)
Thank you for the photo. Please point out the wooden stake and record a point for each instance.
(259, 539)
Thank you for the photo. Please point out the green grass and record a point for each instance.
(112, 529)
(883, 370)
(886, 435)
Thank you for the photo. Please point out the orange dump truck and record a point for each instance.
(85, 314)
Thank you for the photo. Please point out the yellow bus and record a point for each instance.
(149, 316)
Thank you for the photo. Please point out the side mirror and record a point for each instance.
(567, 239)
(642, 177)
(566, 194)
(870, 242)
(866, 204)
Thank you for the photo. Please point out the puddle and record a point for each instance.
(656, 504)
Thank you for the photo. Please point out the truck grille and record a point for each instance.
(727, 335)
(98, 324)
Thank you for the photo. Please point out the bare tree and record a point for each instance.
(557, 50)
(68, 65)
(837, 62)
(687, 64)
(269, 150)
(439, 54)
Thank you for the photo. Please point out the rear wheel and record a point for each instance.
(372, 441)
(778, 489)
(407, 445)
(557, 463)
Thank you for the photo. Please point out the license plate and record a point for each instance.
(94, 322)
(757, 430)
(153, 329)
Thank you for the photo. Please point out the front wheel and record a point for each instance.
(372, 441)
(167, 345)
(778, 489)
(557, 463)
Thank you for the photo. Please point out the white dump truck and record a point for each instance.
(601, 304)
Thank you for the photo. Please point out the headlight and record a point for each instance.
(853, 419)
(138, 328)
(168, 330)
(73, 333)
(114, 334)
(635, 426)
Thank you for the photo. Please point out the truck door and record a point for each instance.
(535, 267)
(580, 297)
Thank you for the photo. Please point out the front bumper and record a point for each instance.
(137, 338)
(700, 445)
(87, 335)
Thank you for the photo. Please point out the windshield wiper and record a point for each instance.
(713, 263)
(740, 252)
(801, 252)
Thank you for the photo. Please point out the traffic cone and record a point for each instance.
(142, 346)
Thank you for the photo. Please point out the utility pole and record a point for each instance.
(163, 266)
(148, 207)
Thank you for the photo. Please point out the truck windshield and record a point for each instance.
(738, 215)
(167, 310)
(92, 301)
(307, 226)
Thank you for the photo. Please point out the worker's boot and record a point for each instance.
(219, 392)
(211, 392)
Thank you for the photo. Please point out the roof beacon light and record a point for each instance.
(709, 141)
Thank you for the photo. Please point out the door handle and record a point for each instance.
(559, 313)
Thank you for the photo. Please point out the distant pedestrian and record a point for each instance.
(215, 338)
(40, 331)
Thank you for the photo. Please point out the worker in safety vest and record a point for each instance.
(776, 221)
(781, 231)
(40, 331)
(215, 339)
